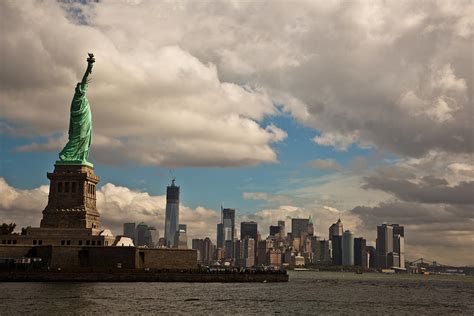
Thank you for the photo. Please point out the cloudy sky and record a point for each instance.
(359, 110)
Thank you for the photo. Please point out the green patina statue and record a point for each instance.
(76, 150)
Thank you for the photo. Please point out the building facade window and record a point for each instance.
(40, 242)
(80, 243)
(88, 242)
(93, 243)
(63, 242)
(60, 187)
(73, 187)
(34, 241)
(68, 242)
(66, 187)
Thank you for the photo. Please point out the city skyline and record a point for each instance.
(370, 124)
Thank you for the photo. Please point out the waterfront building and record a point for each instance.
(129, 231)
(207, 255)
(289, 257)
(263, 246)
(249, 252)
(371, 255)
(205, 250)
(336, 250)
(300, 261)
(274, 258)
(384, 245)
(399, 247)
(348, 248)
(393, 260)
(325, 250)
(239, 253)
(360, 252)
(172, 213)
(336, 229)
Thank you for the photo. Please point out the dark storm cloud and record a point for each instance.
(428, 190)
(409, 213)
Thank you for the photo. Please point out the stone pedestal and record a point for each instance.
(72, 198)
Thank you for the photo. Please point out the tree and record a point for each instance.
(24, 229)
(7, 229)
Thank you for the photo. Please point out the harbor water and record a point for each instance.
(307, 292)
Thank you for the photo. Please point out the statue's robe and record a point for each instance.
(80, 128)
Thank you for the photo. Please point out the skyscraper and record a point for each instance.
(348, 248)
(325, 250)
(207, 251)
(142, 232)
(335, 236)
(248, 230)
(310, 227)
(129, 231)
(181, 238)
(249, 252)
(282, 228)
(399, 248)
(275, 231)
(228, 221)
(398, 230)
(197, 244)
(384, 245)
(360, 252)
(220, 236)
(299, 226)
(371, 253)
(336, 229)
(172, 213)
(152, 237)
(336, 250)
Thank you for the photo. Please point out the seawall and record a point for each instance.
(140, 277)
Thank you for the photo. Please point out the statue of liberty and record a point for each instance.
(76, 150)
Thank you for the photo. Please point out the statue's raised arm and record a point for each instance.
(76, 150)
(90, 63)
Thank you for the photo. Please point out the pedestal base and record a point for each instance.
(72, 198)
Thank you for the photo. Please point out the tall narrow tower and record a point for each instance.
(228, 221)
(172, 213)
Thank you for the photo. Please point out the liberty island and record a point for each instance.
(72, 245)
